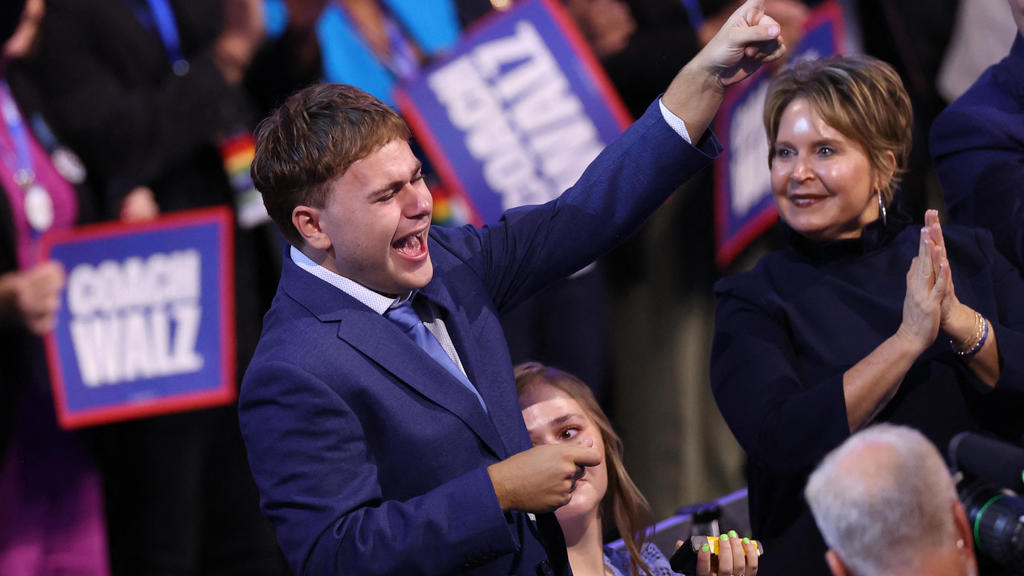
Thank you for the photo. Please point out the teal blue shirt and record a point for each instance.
(432, 24)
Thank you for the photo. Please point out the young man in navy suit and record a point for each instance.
(373, 453)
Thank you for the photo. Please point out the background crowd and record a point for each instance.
(131, 105)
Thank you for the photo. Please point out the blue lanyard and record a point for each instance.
(38, 204)
(694, 14)
(21, 165)
(167, 28)
(404, 60)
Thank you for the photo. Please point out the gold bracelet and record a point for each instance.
(980, 335)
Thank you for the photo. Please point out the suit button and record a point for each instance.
(544, 569)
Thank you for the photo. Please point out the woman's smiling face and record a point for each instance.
(823, 182)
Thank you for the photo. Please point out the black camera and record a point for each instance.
(988, 473)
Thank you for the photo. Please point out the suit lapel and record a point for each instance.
(384, 343)
(492, 387)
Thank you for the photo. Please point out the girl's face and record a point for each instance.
(552, 416)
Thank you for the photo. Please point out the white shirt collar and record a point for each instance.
(377, 302)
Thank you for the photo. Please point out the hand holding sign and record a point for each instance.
(32, 297)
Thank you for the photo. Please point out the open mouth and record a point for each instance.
(413, 246)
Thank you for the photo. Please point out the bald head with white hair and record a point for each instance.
(885, 503)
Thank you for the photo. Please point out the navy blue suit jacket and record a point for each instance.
(978, 147)
(370, 457)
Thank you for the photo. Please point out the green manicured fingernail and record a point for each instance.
(705, 548)
(732, 534)
(746, 540)
(725, 537)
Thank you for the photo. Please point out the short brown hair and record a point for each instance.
(623, 502)
(861, 97)
(312, 139)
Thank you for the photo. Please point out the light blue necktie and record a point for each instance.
(409, 321)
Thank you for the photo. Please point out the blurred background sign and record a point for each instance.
(744, 208)
(146, 324)
(515, 113)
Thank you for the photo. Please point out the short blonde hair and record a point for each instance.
(861, 97)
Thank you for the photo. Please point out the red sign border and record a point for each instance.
(449, 177)
(728, 249)
(223, 394)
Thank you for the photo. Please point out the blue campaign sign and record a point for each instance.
(744, 207)
(146, 324)
(516, 112)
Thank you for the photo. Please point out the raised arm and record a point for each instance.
(748, 39)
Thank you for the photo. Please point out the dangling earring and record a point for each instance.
(881, 208)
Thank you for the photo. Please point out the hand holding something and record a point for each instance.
(736, 557)
(32, 297)
(926, 288)
(542, 478)
(748, 39)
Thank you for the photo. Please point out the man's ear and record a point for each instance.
(306, 220)
(963, 527)
(835, 564)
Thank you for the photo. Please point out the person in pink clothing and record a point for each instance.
(51, 502)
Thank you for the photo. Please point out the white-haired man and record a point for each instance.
(885, 503)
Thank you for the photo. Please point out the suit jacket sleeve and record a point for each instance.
(978, 147)
(338, 521)
(532, 246)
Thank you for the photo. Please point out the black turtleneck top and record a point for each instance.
(786, 331)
